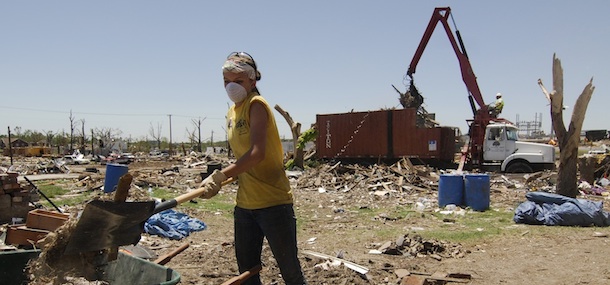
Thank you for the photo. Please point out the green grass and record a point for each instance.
(162, 193)
(215, 204)
(473, 226)
(71, 201)
(222, 202)
(52, 191)
(58, 196)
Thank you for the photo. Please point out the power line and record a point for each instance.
(96, 113)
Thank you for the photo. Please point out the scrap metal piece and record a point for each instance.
(105, 224)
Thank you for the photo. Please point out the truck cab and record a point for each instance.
(503, 151)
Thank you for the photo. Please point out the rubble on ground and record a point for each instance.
(416, 246)
(401, 184)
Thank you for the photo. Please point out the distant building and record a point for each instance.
(14, 143)
(215, 150)
(20, 147)
(289, 147)
(114, 146)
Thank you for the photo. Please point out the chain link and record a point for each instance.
(353, 135)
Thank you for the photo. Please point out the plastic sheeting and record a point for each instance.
(173, 225)
(556, 210)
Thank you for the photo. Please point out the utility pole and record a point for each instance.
(199, 136)
(92, 144)
(170, 134)
(197, 124)
(10, 145)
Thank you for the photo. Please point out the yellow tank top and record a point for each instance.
(265, 184)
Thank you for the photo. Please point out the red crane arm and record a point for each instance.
(442, 14)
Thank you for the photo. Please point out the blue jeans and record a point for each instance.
(278, 225)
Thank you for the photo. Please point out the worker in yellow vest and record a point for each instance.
(496, 107)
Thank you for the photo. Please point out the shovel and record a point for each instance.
(106, 224)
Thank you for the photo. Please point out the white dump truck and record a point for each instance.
(503, 151)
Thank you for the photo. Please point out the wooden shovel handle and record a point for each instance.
(198, 192)
(184, 197)
(162, 260)
(244, 276)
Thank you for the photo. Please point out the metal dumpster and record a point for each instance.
(126, 269)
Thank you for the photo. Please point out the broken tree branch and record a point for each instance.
(295, 127)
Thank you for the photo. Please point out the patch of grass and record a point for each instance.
(162, 193)
(59, 197)
(222, 203)
(217, 203)
(70, 201)
(366, 213)
(473, 226)
(51, 190)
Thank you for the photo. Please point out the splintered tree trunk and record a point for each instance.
(295, 128)
(567, 181)
(569, 139)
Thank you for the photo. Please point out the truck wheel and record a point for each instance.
(519, 167)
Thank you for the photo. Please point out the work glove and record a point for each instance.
(212, 184)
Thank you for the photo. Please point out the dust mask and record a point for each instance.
(236, 92)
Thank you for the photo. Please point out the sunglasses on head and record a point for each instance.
(241, 54)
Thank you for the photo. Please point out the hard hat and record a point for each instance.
(498, 95)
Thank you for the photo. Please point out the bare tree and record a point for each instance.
(61, 140)
(33, 136)
(49, 135)
(72, 127)
(192, 137)
(18, 131)
(156, 134)
(568, 139)
(83, 136)
(197, 138)
(105, 136)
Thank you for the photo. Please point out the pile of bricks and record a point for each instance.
(38, 224)
(14, 200)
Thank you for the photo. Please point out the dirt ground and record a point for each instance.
(330, 223)
(334, 222)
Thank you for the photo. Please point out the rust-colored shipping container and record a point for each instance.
(352, 135)
(382, 134)
(427, 143)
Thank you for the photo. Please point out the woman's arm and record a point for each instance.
(258, 141)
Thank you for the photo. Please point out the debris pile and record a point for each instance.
(416, 246)
(52, 266)
(401, 176)
(14, 200)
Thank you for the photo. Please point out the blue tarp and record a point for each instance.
(549, 209)
(173, 225)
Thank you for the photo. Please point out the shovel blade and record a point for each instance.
(105, 224)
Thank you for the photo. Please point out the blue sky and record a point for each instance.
(128, 65)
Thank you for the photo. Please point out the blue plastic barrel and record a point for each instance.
(476, 191)
(113, 174)
(450, 190)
